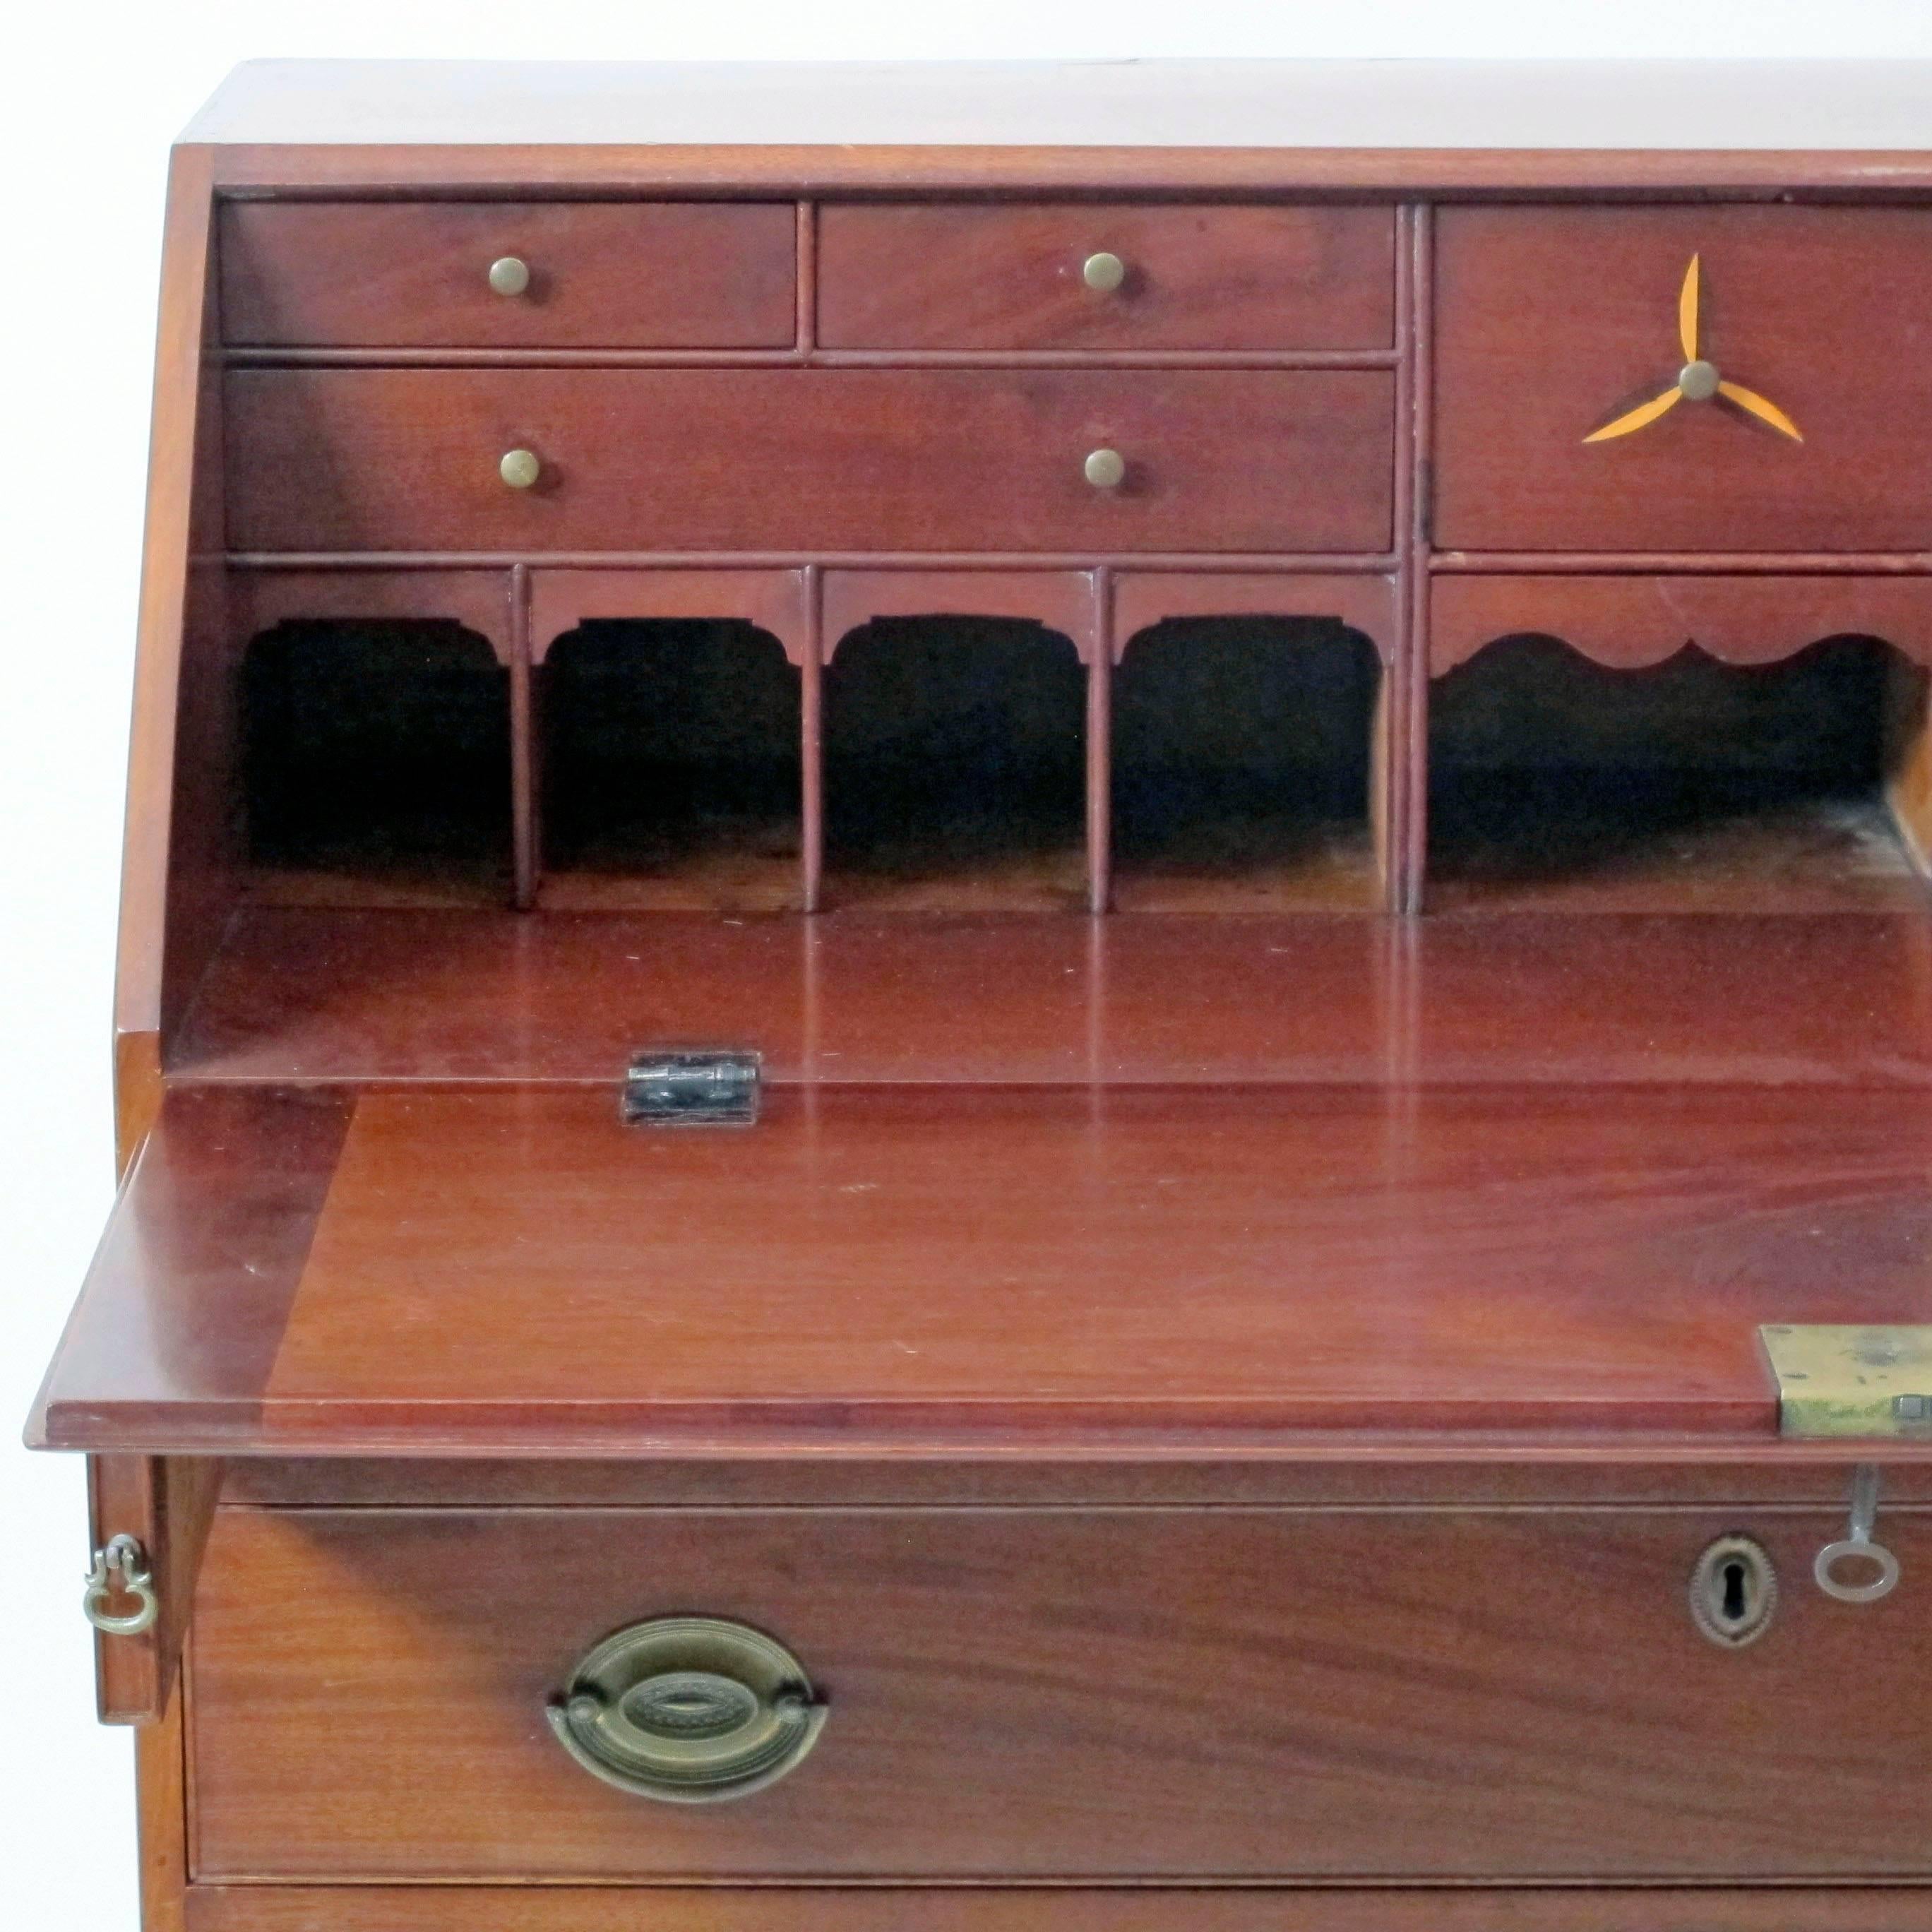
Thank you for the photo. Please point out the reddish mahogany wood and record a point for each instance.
(444, 1908)
(1067, 1694)
(1548, 321)
(1137, 1264)
(383, 460)
(167, 1505)
(603, 275)
(927, 275)
(301, 994)
(774, 600)
(1422, 1482)
(1063, 601)
(1142, 598)
(1630, 621)
(480, 600)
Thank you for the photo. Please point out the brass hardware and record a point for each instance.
(125, 1558)
(1105, 469)
(1734, 1592)
(510, 275)
(520, 468)
(688, 1710)
(1698, 381)
(1849, 1381)
(1859, 1547)
(1103, 271)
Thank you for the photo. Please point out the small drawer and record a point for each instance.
(805, 459)
(1595, 392)
(1007, 1694)
(509, 274)
(1074, 275)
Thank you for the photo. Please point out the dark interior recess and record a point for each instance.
(955, 765)
(375, 761)
(1242, 756)
(1692, 784)
(672, 767)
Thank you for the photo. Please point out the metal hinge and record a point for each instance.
(1875, 1383)
(687, 1089)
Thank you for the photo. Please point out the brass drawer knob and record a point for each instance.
(520, 468)
(1103, 271)
(510, 275)
(688, 1711)
(1105, 469)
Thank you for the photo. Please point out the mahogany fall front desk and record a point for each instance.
(1026, 1007)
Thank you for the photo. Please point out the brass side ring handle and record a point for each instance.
(124, 1558)
(688, 1711)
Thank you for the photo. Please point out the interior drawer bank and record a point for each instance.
(1042, 1694)
(1074, 275)
(508, 275)
(806, 460)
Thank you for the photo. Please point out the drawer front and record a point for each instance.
(1265, 1693)
(927, 277)
(809, 459)
(418, 275)
(1554, 325)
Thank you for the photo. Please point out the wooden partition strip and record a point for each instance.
(811, 730)
(526, 838)
(1410, 744)
(1100, 746)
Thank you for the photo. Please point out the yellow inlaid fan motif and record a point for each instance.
(1698, 381)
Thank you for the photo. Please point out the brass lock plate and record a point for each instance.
(1839, 1382)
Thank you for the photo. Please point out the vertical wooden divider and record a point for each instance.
(1099, 744)
(811, 742)
(1416, 311)
(525, 838)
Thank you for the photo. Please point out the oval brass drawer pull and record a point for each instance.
(688, 1710)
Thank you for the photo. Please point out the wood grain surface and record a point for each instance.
(1015, 1694)
(1548, 321)
(1709, 998)
(988, 1269)
(847, 459)
(921, 275)
(603, 275)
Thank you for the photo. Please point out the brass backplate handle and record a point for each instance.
(688, 1710)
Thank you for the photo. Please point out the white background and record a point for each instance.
(94, 94)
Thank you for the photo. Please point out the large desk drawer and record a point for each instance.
(809, 459)
(1075, 275)
(1554, 326)
(1243, 1694)
(507, 274)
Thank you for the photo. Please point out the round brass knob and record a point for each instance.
(688, 1710)
(1105, 469)
(510, 275)
(1698, 381)
(519, 468)
(1103, 271)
